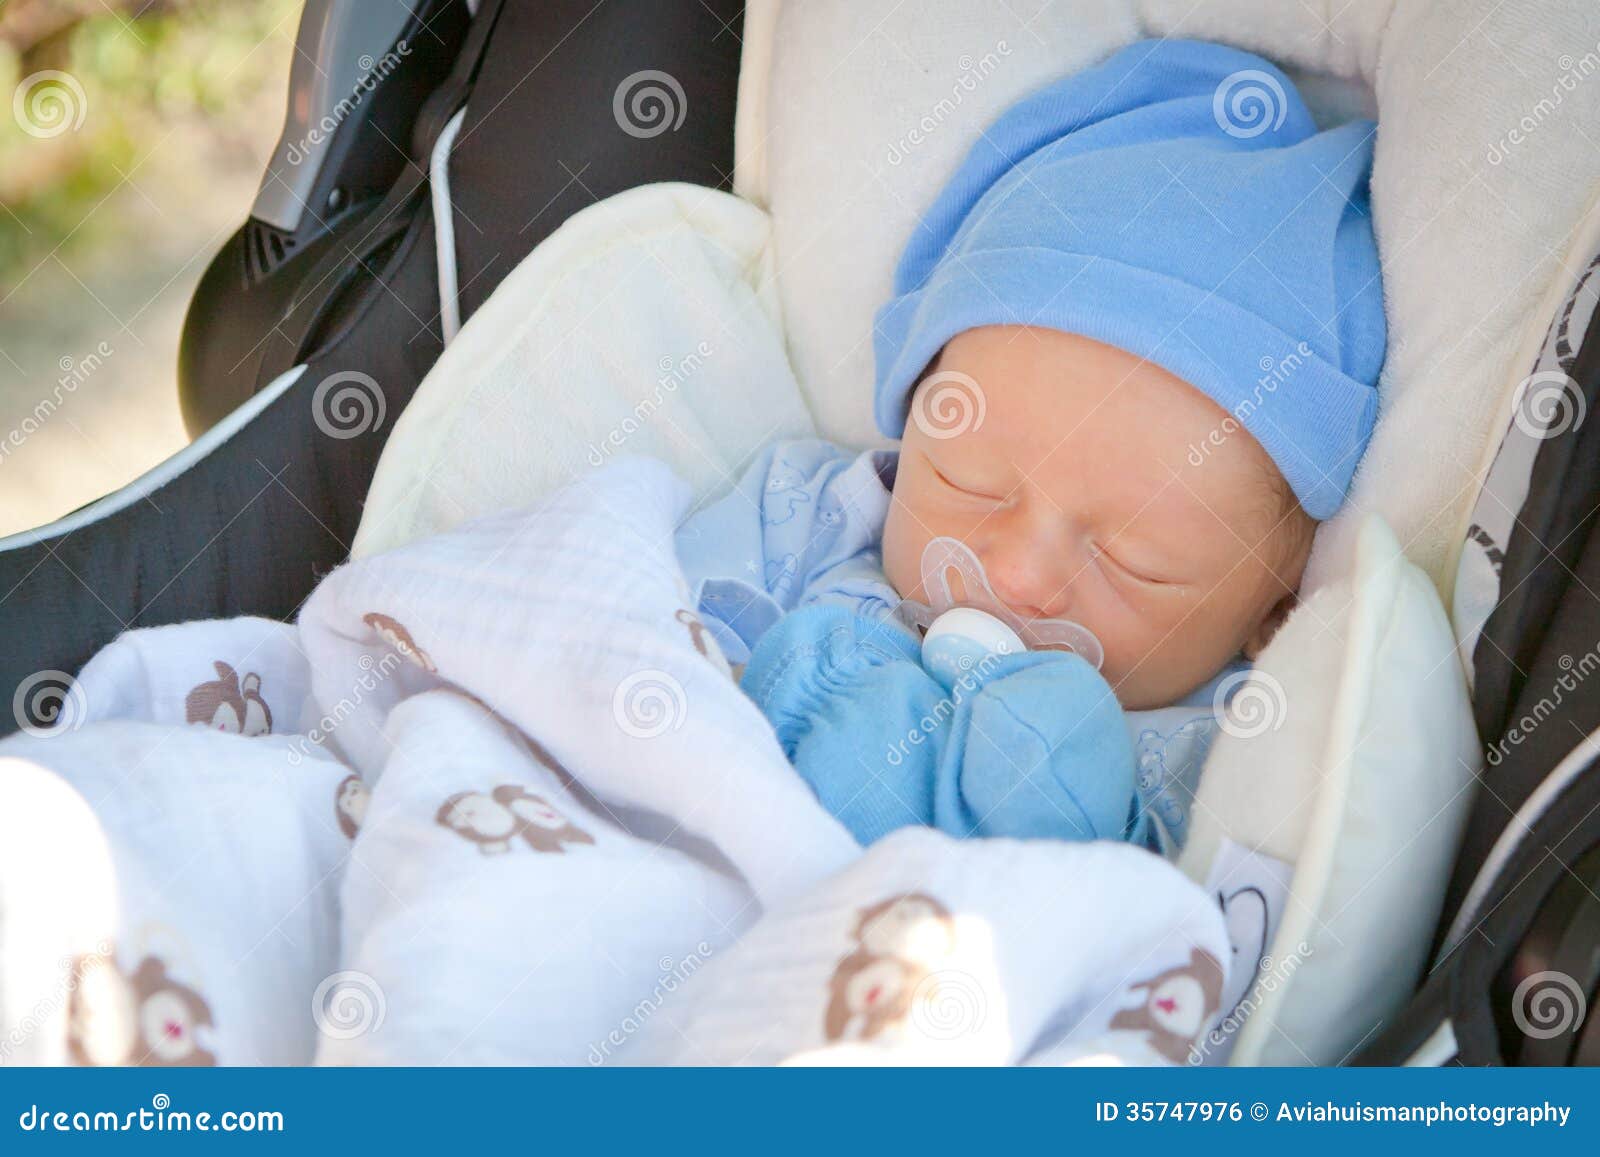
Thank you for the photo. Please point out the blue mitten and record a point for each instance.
(1041, 750)
(1028, 745)
(840, 691)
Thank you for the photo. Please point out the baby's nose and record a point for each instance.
(1034, 581)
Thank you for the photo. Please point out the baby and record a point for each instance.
(1131, 355)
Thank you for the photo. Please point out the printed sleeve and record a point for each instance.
(820, 519)
(803, 512)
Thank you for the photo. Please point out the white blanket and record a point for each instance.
(558, 832)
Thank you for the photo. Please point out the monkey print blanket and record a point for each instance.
(495, 798)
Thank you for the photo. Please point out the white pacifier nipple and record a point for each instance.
(961, 639)
(946, 561)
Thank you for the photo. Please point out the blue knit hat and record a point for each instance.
(1177, 202)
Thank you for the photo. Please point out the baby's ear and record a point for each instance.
(1269, 624)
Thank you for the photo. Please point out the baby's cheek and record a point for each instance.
(1198, 647)
(896, 549)
(1153, 658)
(1125, 655)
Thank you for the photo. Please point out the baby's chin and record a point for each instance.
(1134, 697)
(1139, 690)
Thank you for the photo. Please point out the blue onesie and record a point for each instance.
(787, 573)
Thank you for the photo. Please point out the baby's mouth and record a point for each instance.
(953, 576)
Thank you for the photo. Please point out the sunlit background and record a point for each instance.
(131, 146)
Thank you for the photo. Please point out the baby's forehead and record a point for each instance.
(1074, 414)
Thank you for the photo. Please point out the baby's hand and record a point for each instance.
(1028, 744)
(1044, 752)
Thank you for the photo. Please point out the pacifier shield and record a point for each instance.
(953, 578)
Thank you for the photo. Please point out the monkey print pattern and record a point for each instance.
(494, 821)
(228, 703)
(875, 986)
(1177, 1007)
(143, 1019)
(393, 633)
(350, 805)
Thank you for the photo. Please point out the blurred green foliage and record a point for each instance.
(196, 67)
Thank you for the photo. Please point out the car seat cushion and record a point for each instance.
(646, 324)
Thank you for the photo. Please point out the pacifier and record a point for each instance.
(961, 640)
(959, 633)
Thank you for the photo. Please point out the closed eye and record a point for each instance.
(960, 489)
(1130, 572)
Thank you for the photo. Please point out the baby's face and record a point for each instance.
(1080, 492)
